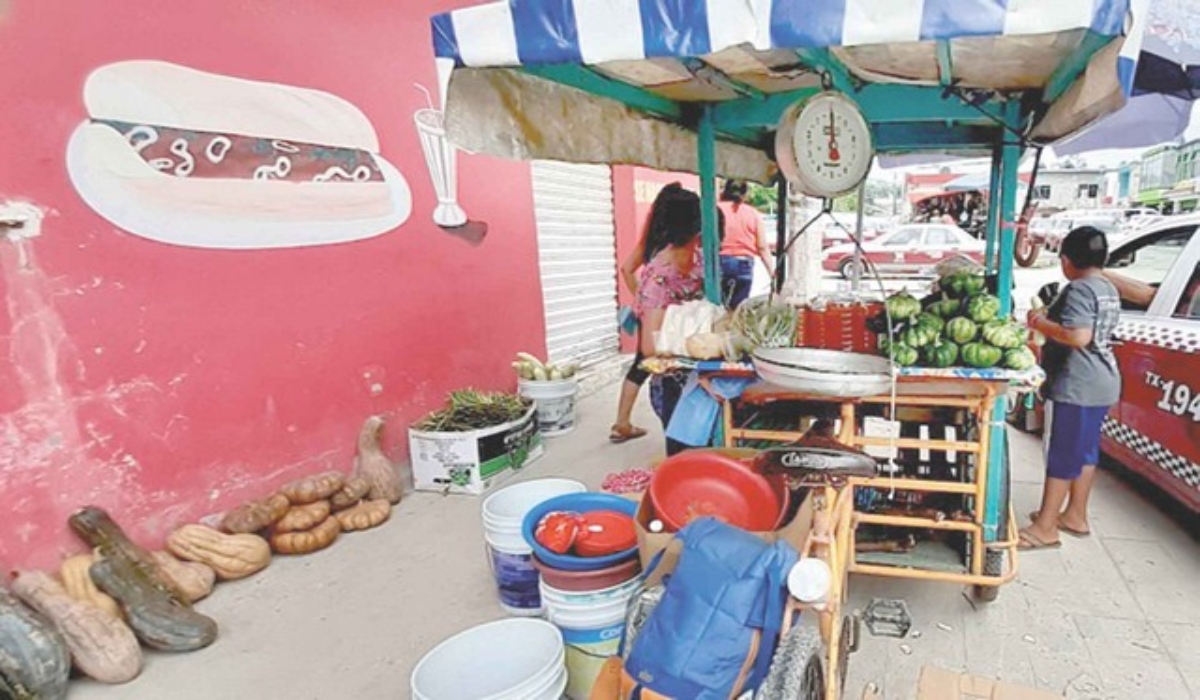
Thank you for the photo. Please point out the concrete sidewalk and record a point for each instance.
(1113, 616)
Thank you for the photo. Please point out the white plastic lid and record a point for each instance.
(809, 580)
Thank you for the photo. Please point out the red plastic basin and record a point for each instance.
(701, 483)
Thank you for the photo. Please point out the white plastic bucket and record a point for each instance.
(523, 660)
(509, 555)
(555, 404)
(592, 625)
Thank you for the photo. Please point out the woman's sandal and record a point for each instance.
(618, 434)
(1030, 541)
(1065, 528)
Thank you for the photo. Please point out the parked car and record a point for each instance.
(913, 249)
(1067, 221)
(834, 234)
(1155, 429)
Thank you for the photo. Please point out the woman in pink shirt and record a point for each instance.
(742, 243)
(666, 268)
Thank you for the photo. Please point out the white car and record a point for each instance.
(912, 249)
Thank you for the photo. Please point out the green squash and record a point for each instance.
(982, 308)
(904, 355)
(974, 284)
(961, 330)
(918, 336)
(1005, 336)
(981, 355)
(930, 321)
(902, 306)
(947, 308)
(940, 354)
(1019, 359)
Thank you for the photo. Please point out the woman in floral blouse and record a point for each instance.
(665, 269)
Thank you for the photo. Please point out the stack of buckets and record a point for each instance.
(555, 401)
(588, 607)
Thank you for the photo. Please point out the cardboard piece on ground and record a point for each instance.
(940, 684)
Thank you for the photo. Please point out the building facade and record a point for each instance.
(1062, 189)
(1157, 175)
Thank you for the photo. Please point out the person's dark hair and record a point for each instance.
(674, 219)
(734, 191)
(1086, 247)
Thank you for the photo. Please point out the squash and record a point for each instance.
(157, 619)
(231, 556)
(196, 580)
(308, 541)
(314, 488)
(373, 465)
(352, 493)
(982, 308)
(97, 528)
(981, 355)
(255, 515)
(79, 585)
(300, 518)
(365, 515)
(102, 646)
(34, 661)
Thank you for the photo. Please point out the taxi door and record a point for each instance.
(1155, 429)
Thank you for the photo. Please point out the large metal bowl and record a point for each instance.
(824, 372)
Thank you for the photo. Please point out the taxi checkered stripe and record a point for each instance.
(1175, 464)
(1159, 336)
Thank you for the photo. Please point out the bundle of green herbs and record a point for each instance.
(469, 409)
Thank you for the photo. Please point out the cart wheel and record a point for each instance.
(1025, 250)
(798, 668)
(993, 565)
(641, 605)
(846, 644)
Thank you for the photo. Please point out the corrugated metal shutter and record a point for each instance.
(578, 257)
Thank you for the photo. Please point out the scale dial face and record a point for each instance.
(824, 145)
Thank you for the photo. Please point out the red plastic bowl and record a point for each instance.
(605, 532)
(699, 483)
(596, 580)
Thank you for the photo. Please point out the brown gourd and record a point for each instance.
(381, 473)
(196, 580)
(77, 580)
(300, 518)
(255, 515)
(99, 530)
(230, 556)
(102, 646)
(158, 620)
(307, 541)
(355, 489)
(313, 488)
(34, 661)
(365, 515)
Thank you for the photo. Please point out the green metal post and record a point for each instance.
(1010, 159)
(706, 144)
(992, 234)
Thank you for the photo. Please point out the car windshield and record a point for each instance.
(941, 236)
(1149, 259)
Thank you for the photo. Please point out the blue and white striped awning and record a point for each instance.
(538, 32)
(713, 51)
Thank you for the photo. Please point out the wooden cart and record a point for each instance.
(946, 423)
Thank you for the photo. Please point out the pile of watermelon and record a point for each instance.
(957, 327)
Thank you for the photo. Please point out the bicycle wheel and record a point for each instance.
(798, 668)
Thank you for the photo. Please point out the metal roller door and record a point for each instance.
(578, 259)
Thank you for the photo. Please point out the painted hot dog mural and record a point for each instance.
(190, 158)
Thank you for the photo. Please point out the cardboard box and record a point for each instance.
(940, 684)
(651, 543)
(475, 461)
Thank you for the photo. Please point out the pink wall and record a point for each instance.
(165, 383)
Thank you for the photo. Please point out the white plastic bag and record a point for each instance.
(682, 321)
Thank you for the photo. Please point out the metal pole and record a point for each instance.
(1011, 159)
(706, 144)
(992, 231)
(781, 232)
(856, 278)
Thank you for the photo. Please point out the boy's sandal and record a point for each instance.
(1030, 541)
(618, 434)
(1064, 528)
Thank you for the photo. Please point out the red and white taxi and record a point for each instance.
(1155, 429)
(912, 249)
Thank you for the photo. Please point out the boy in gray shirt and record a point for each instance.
(1082, 383)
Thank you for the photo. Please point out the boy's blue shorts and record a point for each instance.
(1072, 438)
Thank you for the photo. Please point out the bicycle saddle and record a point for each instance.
(819, 463)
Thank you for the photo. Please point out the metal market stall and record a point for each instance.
(812, 90)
